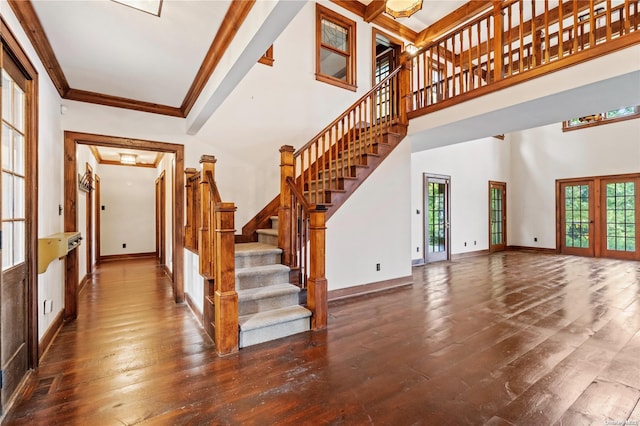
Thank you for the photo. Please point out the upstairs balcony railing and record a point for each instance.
(516, 40)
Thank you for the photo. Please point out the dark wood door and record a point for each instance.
(497, 216)
(577, 217)
(14, 290)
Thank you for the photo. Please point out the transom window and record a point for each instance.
(602, 118)
(335, 49)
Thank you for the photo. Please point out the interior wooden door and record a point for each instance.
(577, 217)
(620, 218)
(436, 208)
(14, 282)
(89, 212)
(160, 219)
(497, 216)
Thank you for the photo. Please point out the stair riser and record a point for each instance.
(247, 307)
(274, 223)
(268, 239)
(246, 281)
(257, 260)
(276, 331)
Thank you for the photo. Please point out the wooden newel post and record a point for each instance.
(226, 297)
(317, 282)
(406, 103)
(287, 169)
(205, 250)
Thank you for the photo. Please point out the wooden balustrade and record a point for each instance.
(513, 38)
(319, 164)
(216, 249)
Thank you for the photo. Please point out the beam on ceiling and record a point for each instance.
(381, 20)
(451, 21)
(373, 10)
(263, 25)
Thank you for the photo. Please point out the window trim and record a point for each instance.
(330, 15)
(267, 58)
(567, 128)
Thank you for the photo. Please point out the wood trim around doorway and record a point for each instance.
(71, 141)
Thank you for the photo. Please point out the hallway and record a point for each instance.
(511, 338)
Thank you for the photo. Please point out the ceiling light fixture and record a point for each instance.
(128, 159)
(402, 8)
(411, 49)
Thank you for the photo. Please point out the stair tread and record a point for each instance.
(273, 217)
(267, 291)
(268, 231)
(272, 317)
(248, 249)
(266, 269)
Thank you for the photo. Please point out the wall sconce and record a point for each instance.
(411, 49)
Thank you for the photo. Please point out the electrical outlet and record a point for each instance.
(535, 239)
(465, 243)
(474, 243)
(124, 245)
(48, 306)
(377, 266)
(417, 211)
(417, 249)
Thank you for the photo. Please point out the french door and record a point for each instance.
(577, 217)
(436, 217)
(497, 216)
(16, 341)
(599, 216)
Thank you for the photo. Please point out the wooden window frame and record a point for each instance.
(267, 58)
(599, 122)
(330, 15)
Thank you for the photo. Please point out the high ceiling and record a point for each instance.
(107, 48)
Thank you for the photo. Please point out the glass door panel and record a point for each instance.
(577, 218)
(436, 218)
(497, 216)
(620, 218)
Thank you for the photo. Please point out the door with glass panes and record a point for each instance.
(497, 216)
(599, 216)
(14, 335)
(436, 217)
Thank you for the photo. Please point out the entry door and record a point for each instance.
(14, 283)
(620, 233)
(497, 216)
(436, 199)
(577, 217)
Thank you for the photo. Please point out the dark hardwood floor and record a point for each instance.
(511, 338)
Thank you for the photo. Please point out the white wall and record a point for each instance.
(471, 166)
(540, 156)
(128, 194)
(373, 226)
(193, 281)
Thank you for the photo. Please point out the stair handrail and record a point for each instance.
(217, 259)
(346, 112)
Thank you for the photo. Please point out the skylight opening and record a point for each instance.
(152, 7)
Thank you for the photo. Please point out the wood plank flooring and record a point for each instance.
(512, 338)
